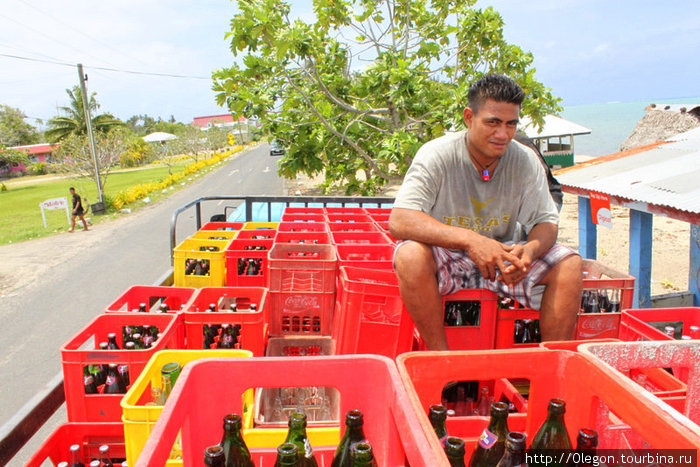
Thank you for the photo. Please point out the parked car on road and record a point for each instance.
(276, 149)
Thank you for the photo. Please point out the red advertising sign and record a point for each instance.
(600, 209)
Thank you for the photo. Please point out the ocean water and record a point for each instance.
(610, 123)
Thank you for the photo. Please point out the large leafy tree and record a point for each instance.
(73, 122)
(360, 89)
(14, 131)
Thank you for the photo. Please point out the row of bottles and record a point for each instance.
(104, 459)
(693, 332)
(224, 336)
(526, 331)
(296, 451)
(196, 267)
(249, 266)
(143, 337)
(499, 447)
(460, 399)
(600, 301)
(462, 313)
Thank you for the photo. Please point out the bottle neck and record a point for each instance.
(499, 423)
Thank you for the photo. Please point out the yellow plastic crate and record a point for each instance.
(190, 249)
(267, 437)
(260, 225)
(139, 419)
(215, 234)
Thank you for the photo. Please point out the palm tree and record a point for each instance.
(73, 122)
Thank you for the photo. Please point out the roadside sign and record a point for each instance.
(600, 209)
(54, 203)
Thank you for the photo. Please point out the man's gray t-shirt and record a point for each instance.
(444, 183)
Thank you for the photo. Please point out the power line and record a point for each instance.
(115, 70)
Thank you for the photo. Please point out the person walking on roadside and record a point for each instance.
(77, 210)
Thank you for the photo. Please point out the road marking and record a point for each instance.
(232, 172)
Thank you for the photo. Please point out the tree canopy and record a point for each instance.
(357, 91)
(14, 131)
(73, 121)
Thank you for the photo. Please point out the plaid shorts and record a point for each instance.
(455, 271)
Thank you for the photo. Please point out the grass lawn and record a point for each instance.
(20, 215)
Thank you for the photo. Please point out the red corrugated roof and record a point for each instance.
(36, 148)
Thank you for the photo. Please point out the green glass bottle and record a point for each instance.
(454, 449)
(437, 417)
(491, 445)
(552, 435)
(237, 454)
(515, 450)
(287, 455)
(353, 434)
(297, 435)
(214, 456)
(362, 455)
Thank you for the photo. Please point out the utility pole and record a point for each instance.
(88, 123)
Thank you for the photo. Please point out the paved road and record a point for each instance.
(39, 318)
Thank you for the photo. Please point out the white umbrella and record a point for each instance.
(158, 137)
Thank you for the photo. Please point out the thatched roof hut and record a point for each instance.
(662, 122)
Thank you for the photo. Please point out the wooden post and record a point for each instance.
(694, 270)
(640, 256)
(587, 232)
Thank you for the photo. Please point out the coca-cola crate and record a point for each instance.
(345, 210)
(174, 298)
(505, 328)
(246, 262)
(199, 251)
(83, 349)
(364, 238)
(348, 218)
(252, 324)
(140, 411)
(370, 316)
(227, 235)
(366, 256)
(301, 313)
(222, 226)
(481, 332)
(648, 323)
(595, 397)
(261, 225)
(572, 346)
(628, 359)
(195, 411)
(378, 211)
(316, 238)
(302, 227)
(286, 217)
(89, 436)
(301, 267)
(352, 227)
(260, 234)
(303, 210)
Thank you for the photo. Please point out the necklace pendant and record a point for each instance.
(485, 176)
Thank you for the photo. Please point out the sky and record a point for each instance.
(587, 51)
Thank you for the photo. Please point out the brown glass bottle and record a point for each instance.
(514, 455)
(586, 448)
(353, 434)
(491, 445)
(114, 383)
(214, 456)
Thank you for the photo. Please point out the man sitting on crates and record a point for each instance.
(463, 201)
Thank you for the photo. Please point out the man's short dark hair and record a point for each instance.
(499, 88)
(71, 189)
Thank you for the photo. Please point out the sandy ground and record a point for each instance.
(670, 255)
(21, 262)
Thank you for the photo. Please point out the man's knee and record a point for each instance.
(567, 271)
(414, 259)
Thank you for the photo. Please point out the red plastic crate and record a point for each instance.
(89, 436)
(348, 218)
(196, 411)
(320, 238)
(505, 326)
(380, 217)
(303, 217)
(366, 238)
(297, 267)
(237, 254)
(382, 211)
(572, 346)
(626, 358)
(303, 210)
(259, 234)
(153, 296)
(342, 210)
(83, 407)
(366, 256)
(478, 337)
(301, 313)
(222, 226)
(302, 227)
(634, 324)
(370, 316)
(595, 397)
(253, 331)
(352, 227)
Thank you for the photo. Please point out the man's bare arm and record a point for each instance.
(489, 255)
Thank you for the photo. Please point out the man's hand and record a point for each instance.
(492, 256)
(511, 275)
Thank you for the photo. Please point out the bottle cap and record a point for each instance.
(104, 449)
(112, 335)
